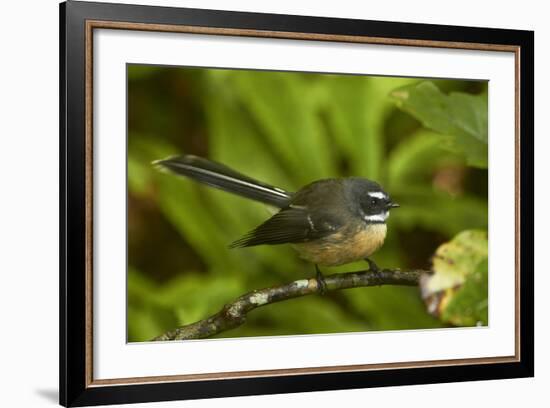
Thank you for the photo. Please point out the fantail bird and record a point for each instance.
(329, 222)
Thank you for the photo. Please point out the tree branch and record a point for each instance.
(234, 314)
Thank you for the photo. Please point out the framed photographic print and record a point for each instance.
(256, 203)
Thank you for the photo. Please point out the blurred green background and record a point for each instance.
(289, 129)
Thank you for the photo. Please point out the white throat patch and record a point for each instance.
(383, 216)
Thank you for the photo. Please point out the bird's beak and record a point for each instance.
(394, 205)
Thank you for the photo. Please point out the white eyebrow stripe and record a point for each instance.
(377, 194)
(377, 217)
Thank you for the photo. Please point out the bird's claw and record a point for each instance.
(374, 269)
(321, 284)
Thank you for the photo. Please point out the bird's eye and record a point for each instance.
(373, 201)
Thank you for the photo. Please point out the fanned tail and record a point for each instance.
(222, 177)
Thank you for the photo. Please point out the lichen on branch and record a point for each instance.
(234, 314)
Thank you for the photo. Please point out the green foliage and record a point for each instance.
(461, 117)
(457, 291)
(286, 129)
(182, 300)
(469, 305)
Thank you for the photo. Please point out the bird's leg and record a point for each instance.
(373, 267)
(321, 284)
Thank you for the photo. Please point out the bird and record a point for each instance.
(330, 222)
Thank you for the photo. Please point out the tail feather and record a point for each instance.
(219, 176)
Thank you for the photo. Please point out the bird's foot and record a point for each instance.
(372, 266)
(374, 269)
(321, 284)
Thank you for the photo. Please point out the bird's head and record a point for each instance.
(369, 199)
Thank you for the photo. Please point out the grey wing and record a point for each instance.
(290, 225)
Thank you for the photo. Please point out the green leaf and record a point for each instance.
(146, 315)
(437, 211)
(390, 308)
(469, 305)
(356, 108)
(139, 178)
(284, 107)
(457, 291)
(180, 201)
(195, 297)
(415, 159)
(461, 117)
(308, 315)
(137, 72)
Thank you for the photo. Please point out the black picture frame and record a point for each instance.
(76, 387)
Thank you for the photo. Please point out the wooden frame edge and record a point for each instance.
(289, 35)
(231, 375)
(89, 205)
